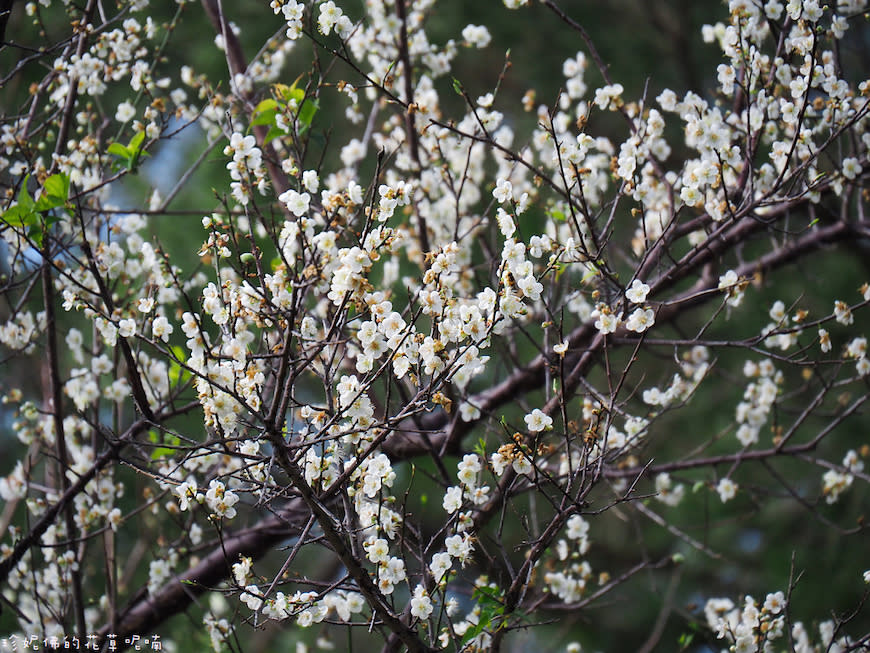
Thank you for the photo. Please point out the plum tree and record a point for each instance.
(435, 366)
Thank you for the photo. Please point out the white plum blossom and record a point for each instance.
(607, 321)
(127, 328)
(161, 328)
(537, 421)
(851, 168)
(126, 112)
(667, 492)
(297, 203)
(476, 35)
(727, 489)
(733, 287)
(220, 500)
(421, 604)
(452, 499)
(502, 192)
(440, 566)
(640, 320)
(638, 291)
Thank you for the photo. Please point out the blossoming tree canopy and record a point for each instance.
(434, 364)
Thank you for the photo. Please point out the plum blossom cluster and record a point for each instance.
(779, 332)
(754, 627)
(757, 626)
(693, 369)
(571, 584)
(835, 481)
(19, 333)
(307, 608)
(758, 399)
(246, 168)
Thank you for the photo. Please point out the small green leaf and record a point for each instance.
(266, 105)
(161, 452)
(307, 111)
(176, 371)
(266, 118)
(24, 198)
(36, 233)
(166, 439)
(118, 150)
(265, 113)
(135, 145)
(273, 133)
(46, 203)
(290, 92)
(457, 86)
(136, 151)
(685, 640)
(54, 218)
(131, 153)
(57, 188)
(20, 216)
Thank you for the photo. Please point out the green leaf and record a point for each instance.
(36, 233)
(118, 150)
(54, 218)
(176, 372)
(457, 86)
(268, 104)
(46, 203)
(265, 113)
(131, 153)
(489, 600)
(488, 595)
(273, 133)
(471, 633)
(24, 198)
(166, 439)
(685, 640)
(136, 142)
(136, 151)
(20, 216)
(265, 118)
(290, 92)
(161, 452)
(57, 188)
(307, 111)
